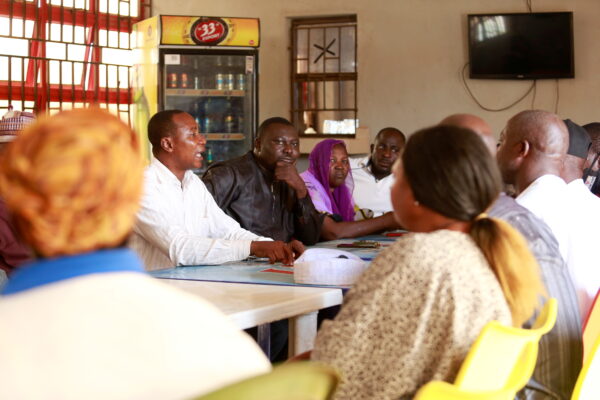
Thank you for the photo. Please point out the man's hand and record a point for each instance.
(297, 248)
(288, 173)
(274, 251)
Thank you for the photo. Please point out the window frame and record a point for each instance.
(296, 78)
(84, 89)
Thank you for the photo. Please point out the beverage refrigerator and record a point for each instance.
(206, 66)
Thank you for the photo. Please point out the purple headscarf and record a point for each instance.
(341, 198)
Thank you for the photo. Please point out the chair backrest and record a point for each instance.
(438, 390)
(591, 328)
(301, 380)
(588, 382)
(502, 357)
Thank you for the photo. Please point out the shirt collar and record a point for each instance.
(51, 270)
(165, 175)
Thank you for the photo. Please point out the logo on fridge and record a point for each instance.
(209, 31)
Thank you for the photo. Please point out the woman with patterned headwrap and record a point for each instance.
(329, 183)
(83, 320)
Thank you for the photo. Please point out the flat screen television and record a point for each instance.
(521, 46)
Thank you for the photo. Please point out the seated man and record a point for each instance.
(263, 191)
(560, 355)
(179, 223)
(84, 321)
(373, 174)
(592, 166)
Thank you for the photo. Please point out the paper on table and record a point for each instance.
(328, 267)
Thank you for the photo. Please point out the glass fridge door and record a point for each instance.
(219, 91)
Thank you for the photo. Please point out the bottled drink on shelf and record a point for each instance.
(172, 81)
(207, 125)
(220, 78)
(229, 82)
(184, 81)
(196, 82)
(209, 156)
(240, 82)
(229, 123)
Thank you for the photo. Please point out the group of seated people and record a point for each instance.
(86, 322)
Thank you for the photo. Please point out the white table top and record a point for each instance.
(250, 305)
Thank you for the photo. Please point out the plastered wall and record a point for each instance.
(410, 54)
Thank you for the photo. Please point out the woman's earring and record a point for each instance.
(416, 203)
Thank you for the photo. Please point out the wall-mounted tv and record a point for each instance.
(521, 46)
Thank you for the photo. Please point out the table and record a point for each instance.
(250, 305)
(259, 271)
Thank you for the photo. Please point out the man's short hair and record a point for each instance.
(392, 129)
(270, 121)
(161, 125)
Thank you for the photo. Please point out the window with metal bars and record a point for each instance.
(60, 54)
(324, 76)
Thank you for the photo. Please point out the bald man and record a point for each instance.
(532, 151)
(560, 354)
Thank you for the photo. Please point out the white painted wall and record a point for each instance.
(410, 54)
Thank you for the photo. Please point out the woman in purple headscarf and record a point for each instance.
(330, 184)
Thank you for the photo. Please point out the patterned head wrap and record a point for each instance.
(73, 182)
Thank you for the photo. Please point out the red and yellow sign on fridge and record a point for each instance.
(210, 31)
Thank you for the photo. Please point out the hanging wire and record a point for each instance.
(534, 93)
(529, 7)
(464, 80)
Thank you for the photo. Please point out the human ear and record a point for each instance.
(166, 144)
(524, 148)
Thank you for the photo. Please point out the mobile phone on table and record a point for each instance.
(360, 244)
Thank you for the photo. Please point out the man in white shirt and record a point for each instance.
(372, 175)
(586, 207)
(179, 222)
(531, 154)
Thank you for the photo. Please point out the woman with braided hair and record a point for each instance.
(83, 321)
(413, 315)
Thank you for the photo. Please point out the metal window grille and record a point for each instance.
(324, 76)
(61, 54)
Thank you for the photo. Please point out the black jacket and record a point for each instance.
(248, 193)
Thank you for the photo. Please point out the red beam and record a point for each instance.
(67, 94)
(65, 16)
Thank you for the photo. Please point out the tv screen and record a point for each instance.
(521, 46)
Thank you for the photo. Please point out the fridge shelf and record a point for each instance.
(205, 92)
(225, 136)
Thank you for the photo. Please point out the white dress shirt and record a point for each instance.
(585, 207)
(370, 193)
(568, 213)
(179, 223)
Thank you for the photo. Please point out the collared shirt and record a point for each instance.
(560, 351)
(179, 223)
(550, 199)
(94, 326)
(249, 194)
(584, 255)
(369, 192)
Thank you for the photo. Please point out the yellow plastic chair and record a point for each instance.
(591, 328)
(439, 390)
(588, 382)
(501, 360)
(302, 380)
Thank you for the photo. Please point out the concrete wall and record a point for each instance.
(410, 54)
